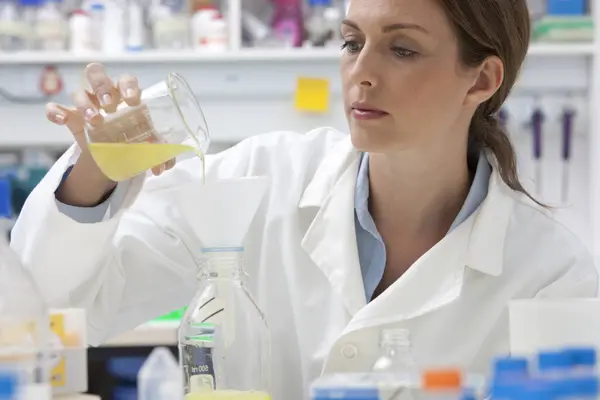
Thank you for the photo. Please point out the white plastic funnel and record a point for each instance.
(220, 212)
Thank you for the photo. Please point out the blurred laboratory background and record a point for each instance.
(263, 65)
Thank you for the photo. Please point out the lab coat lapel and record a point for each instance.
(437, 278)
(330, 240)
(432, 282)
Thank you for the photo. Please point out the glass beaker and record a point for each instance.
(168, 123)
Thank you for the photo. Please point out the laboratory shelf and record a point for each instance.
(150, 334)
(246, 55)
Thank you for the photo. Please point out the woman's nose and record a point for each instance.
(364, 71)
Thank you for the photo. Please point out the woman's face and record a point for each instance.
(404, 86)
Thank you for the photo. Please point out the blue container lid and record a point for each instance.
(30, 3)
(97, 7)
(582, 356)
(577, 386)
(316, 3)
(8, 385)
(341, 393)
(5, 198)
(552, 360)
(511, 366)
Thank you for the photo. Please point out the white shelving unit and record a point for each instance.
(257, 86)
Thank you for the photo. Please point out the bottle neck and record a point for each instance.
(223, 263)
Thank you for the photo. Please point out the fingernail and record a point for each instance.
(130, 93)
(59, 118)
(105, 99)
(89, 114)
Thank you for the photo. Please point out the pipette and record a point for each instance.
(537, 122)
(567, 138)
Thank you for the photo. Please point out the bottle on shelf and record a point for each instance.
(80, 32)
(51, 27)
(136, 26)
(287, 22)
(97, 14)
(223, 337)
(323, 23)
(113, 32)
(29, 9)
(209, 28)
(170, 25)
(13, 30)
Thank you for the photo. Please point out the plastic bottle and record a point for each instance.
(29, 10)
(171, 25)
(24, 322)
(97, 10)
(201, 25)
(395, 353)
(136, 28)
(13, 31)
(287, 22)
(113, 32)
(323, 22)
(51, 28)
(160, 377)
(224, 342)
(80, 32)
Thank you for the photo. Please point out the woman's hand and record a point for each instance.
(86, 185)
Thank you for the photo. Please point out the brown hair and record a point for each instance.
(492, 28)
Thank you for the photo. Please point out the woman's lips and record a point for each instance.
(367, 114)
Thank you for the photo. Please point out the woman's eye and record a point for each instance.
(402, 52)
(351, 46)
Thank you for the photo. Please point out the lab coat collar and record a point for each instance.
(330, 240)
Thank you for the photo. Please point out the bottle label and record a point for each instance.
(199, 369)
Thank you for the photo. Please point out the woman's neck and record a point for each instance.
(411, 194)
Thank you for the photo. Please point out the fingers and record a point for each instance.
(103, 87)
(129, 89)
(86, 107)
(61, 115)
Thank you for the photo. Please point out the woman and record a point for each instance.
(417, 220)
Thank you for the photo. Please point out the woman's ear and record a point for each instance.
(488, 79)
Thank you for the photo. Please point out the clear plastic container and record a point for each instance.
(13, 30)
(167, 124)
(160, 377)
(224, 342)
(23, 323)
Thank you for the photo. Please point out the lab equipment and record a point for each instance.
(113, 33)
(80, 32)
(29, 9)
(513, 368)
(223, 338)
(323, 23)
(160, 377)
(167, 124)
(224, 341)
(170, 22)
(51, 27)
(13, 30)
(287, 23)
(396, 355)
(97, 21)
(537, 126)
(24, 348)
(9, 385)
(136, 28)
(567, 139)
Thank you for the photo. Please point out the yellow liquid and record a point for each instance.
(122, 161)
(228, 395)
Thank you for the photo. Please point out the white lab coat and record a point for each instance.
(303, 262)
